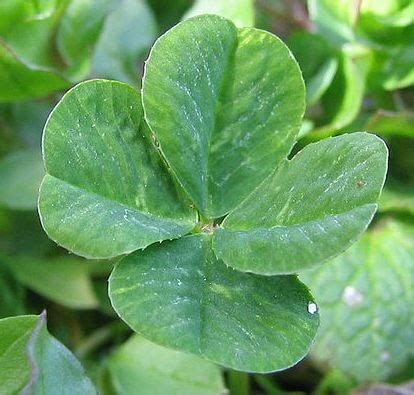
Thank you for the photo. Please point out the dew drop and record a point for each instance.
(385, 356)
(352, 297)
(312, 308)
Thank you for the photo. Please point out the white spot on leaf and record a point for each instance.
(312, 308)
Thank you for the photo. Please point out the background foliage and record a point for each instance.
(357, 62)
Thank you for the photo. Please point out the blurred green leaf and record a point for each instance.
(397, 198)
(179, 295)
(365, 298)
(398, 69)
(20, 81)
(334, 20)
(78, 31)
(156, 370)
(388, 124)
(20, 176)
(62, 279)
(342, 101)
(169, 12)
(240, 12)
(32, 361)
(129, 31)
(317, 60)
(11, 293)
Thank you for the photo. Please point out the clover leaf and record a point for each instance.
(221, 110)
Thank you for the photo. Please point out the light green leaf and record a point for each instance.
(334, 20)
(365, 296)
(240, 12)
(390, 12)
(128, 33)
(342, 101)
(179, 295)
(79, 30)
(156, 370)
(32, 361)
(21, 173)
(27, 28)
(227, 117)
(106, 191)
(318, 63)
(388, 124)
(311, 209)
(63, 280)
(398, 69)
(21, 81)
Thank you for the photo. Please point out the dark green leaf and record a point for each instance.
(11, 293)
(317, 61)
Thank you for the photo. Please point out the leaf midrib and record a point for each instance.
(297, 224)
(122, 205)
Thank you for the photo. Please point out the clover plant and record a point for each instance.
(193, 184)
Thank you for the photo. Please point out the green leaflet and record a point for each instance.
(21, 173)
(33, 362)
(365, 296)
(156, 370)
(106, 191)
(312, 208)
(240, 12)
(179, 295)
(227, 117)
